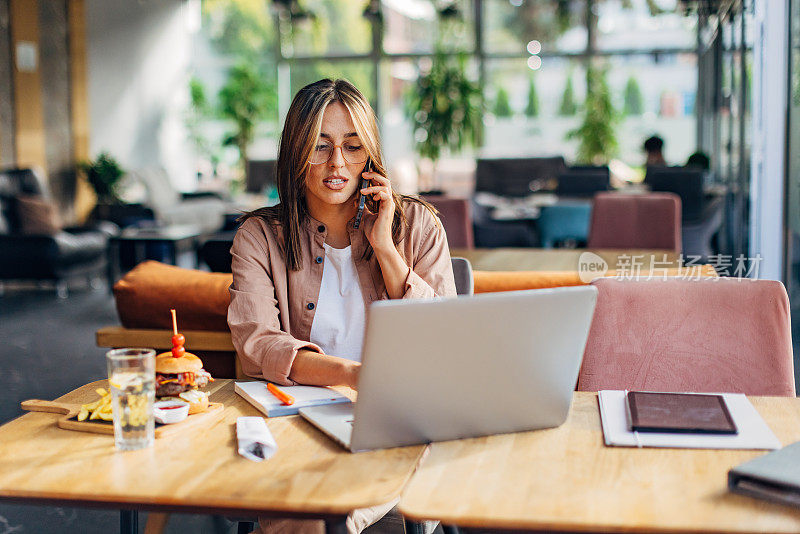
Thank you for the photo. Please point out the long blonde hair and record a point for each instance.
(300, 133)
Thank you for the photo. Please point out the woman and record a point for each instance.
(303, 274)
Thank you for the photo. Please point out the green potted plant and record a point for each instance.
(634, 102)
(200, 110)
(502, 104)
(245, 99)
(104, 175)
(532, 109)
(568, 107)
(596, 134)
(445, 106)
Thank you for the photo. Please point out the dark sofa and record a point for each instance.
(56, 257)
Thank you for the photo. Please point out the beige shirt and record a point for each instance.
(272, 308)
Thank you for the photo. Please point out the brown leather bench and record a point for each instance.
(145, 295)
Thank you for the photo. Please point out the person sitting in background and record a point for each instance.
(698, 160)
(654, 147)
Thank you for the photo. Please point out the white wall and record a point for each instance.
(770, 68)
(139, 55)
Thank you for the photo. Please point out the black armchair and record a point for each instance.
(66, 253)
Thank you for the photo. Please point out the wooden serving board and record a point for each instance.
(70, 412)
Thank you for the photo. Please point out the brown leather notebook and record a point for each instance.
(679, 412)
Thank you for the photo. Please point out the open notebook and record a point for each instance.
(257, 394)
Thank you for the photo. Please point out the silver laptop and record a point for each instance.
(435, 370)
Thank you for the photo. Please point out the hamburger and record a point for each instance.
(181, 377)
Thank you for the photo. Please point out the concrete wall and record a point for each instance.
(139, 57)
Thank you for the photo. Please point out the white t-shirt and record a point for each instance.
(339, 319)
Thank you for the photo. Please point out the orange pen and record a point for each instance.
(288, 400)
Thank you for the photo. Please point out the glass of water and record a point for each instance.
(131, 380)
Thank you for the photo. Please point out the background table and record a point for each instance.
(566, 479)
(177, 238)
(199, 471)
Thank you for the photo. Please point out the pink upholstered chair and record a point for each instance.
(646, 221)
(713, 335)
(456, 217)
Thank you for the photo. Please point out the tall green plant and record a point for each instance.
(445, 107)
(502, 105)
(245, 99)
(532, 109)
(598, 141)
(634, 102)
(568, 107)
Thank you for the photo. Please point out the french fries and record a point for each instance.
(99, 409)
(135, 408)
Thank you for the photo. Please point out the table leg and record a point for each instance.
(113, 263)
(128, 521)
(336, 526)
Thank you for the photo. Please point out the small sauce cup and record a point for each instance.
(172, 411)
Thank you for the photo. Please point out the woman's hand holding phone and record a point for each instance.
(393, 267)
(380, 235)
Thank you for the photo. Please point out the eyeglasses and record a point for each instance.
(352, 152)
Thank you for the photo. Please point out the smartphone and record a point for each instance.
(362, 199)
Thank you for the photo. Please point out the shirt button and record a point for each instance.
(318, 259)
(321, 228)
(310, 306)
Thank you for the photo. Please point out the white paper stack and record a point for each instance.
(258, 395)
(753, 432)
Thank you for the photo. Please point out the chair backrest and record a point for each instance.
(462, 272)
(513, 176)
(583, 181)
(260, 174)
(456, 216)
(708, 335)
(565, 220)
(686, 183)
(646, 221)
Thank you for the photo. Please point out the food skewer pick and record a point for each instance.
(177, 339)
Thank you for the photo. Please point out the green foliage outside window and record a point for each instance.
(502, 106)
(598, 141)
(245, 99)
(634, 102)
(241, 28)
(200, 110)
(568, 107)
(532, 109)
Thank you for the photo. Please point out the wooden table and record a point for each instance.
(565, 479)
(556, 259)
(200, 471)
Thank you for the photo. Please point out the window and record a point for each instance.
(334, 27)
(556, 26)
(411, 27)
